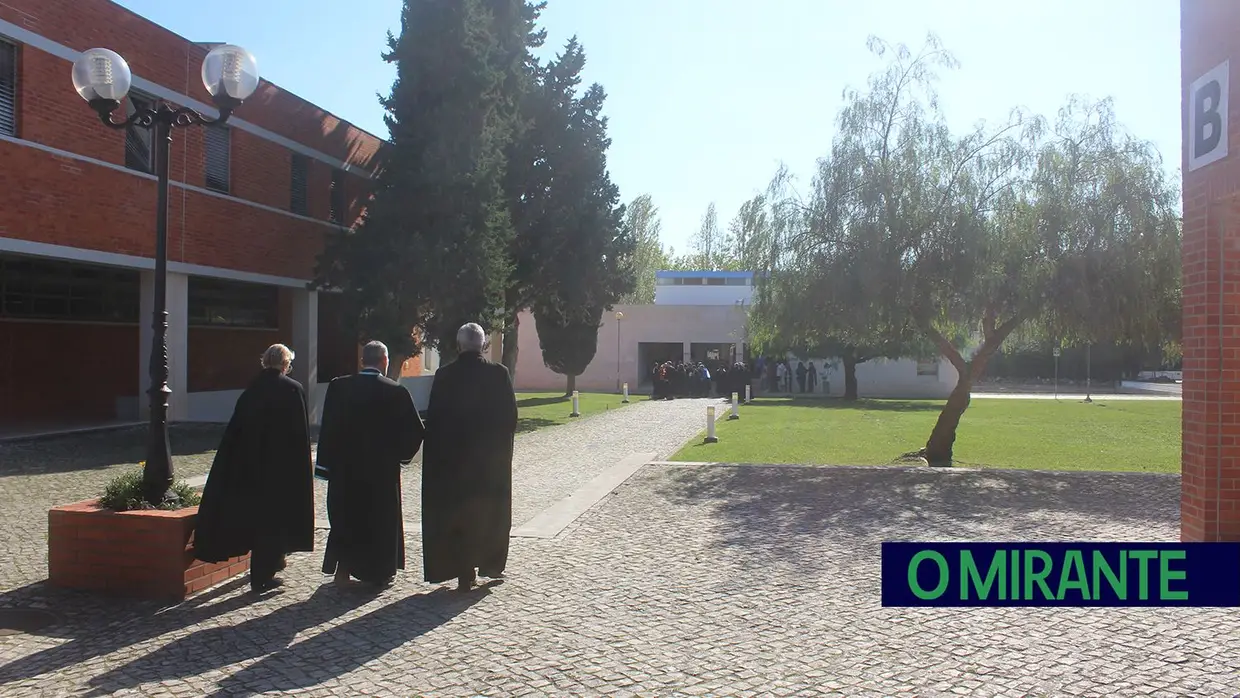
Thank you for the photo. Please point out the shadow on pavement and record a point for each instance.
(101, 624)
(343, 648)
(767, 511)
(225, 645)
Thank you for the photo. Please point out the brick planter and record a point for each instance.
(147, 554)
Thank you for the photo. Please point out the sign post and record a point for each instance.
(1055, 351)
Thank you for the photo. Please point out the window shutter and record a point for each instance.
(8, 89)
(337, 197)
(297, 201)
(219, 160)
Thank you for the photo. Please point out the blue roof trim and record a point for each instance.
(703, 274)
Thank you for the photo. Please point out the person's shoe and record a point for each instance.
(342, 577)
(265, 585)
(491, 574)
(466, 582)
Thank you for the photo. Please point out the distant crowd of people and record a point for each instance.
(700, 379)
(780, 375)
(259, 495)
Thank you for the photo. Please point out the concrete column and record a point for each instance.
(430, 361)
(305, 345)
(178, 345)
(688, 350)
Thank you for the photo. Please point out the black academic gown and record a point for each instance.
(369, 428)
(260, 491)
(467, 470)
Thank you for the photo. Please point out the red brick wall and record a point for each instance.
(223, 358)
(51, 372)
(64, 201)
(1210, 501)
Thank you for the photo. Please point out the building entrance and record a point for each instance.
(650, 352)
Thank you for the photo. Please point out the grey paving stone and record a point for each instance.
(687, 580)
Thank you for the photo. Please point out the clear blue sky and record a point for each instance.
(707, 97)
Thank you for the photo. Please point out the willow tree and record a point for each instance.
(822, 290)
(1070, 230)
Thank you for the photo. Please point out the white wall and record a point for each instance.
(687, 324)
(703, 324)
(696, 294)
(883, 378)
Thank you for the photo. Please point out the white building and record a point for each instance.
(700, 316)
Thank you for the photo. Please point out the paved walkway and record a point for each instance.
(686, 580)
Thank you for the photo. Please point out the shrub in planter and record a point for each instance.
(124, 493)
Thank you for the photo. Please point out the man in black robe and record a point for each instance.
(259, 496)
(370, 427)
(467, 467)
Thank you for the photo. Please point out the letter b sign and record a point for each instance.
(1207, 118)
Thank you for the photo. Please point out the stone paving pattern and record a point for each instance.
(687, 580)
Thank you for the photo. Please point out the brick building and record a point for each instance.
(1210, 502)
(250, 208)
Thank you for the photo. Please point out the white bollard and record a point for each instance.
(626, 393)
(735, 414)
(576, 404)
(710, 426)
(747, 395)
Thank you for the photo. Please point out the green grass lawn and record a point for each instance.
(1134, 435)
(539, 410)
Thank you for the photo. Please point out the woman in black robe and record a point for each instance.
(259, 496)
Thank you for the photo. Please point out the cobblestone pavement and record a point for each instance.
(687, 580)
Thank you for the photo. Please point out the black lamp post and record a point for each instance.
(103, 79)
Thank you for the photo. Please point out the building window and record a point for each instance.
(8, 89)
(218, 158)
(928, 367)
(300, 172)
(139, 142)
(37, 289)
(220, 303)
(736, 281)
(338, 204)
(716, 281)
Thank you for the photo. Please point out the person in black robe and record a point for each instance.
(467, 467)
(811, 377)
(370, 427)
(259, 496)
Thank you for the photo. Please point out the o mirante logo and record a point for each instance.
(1060, 574)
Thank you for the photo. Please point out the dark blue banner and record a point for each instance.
(1061, 574)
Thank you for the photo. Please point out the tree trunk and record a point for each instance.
(938, 448)
(572, 385)
(938, 451)
(509, 356)
(850, 376)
